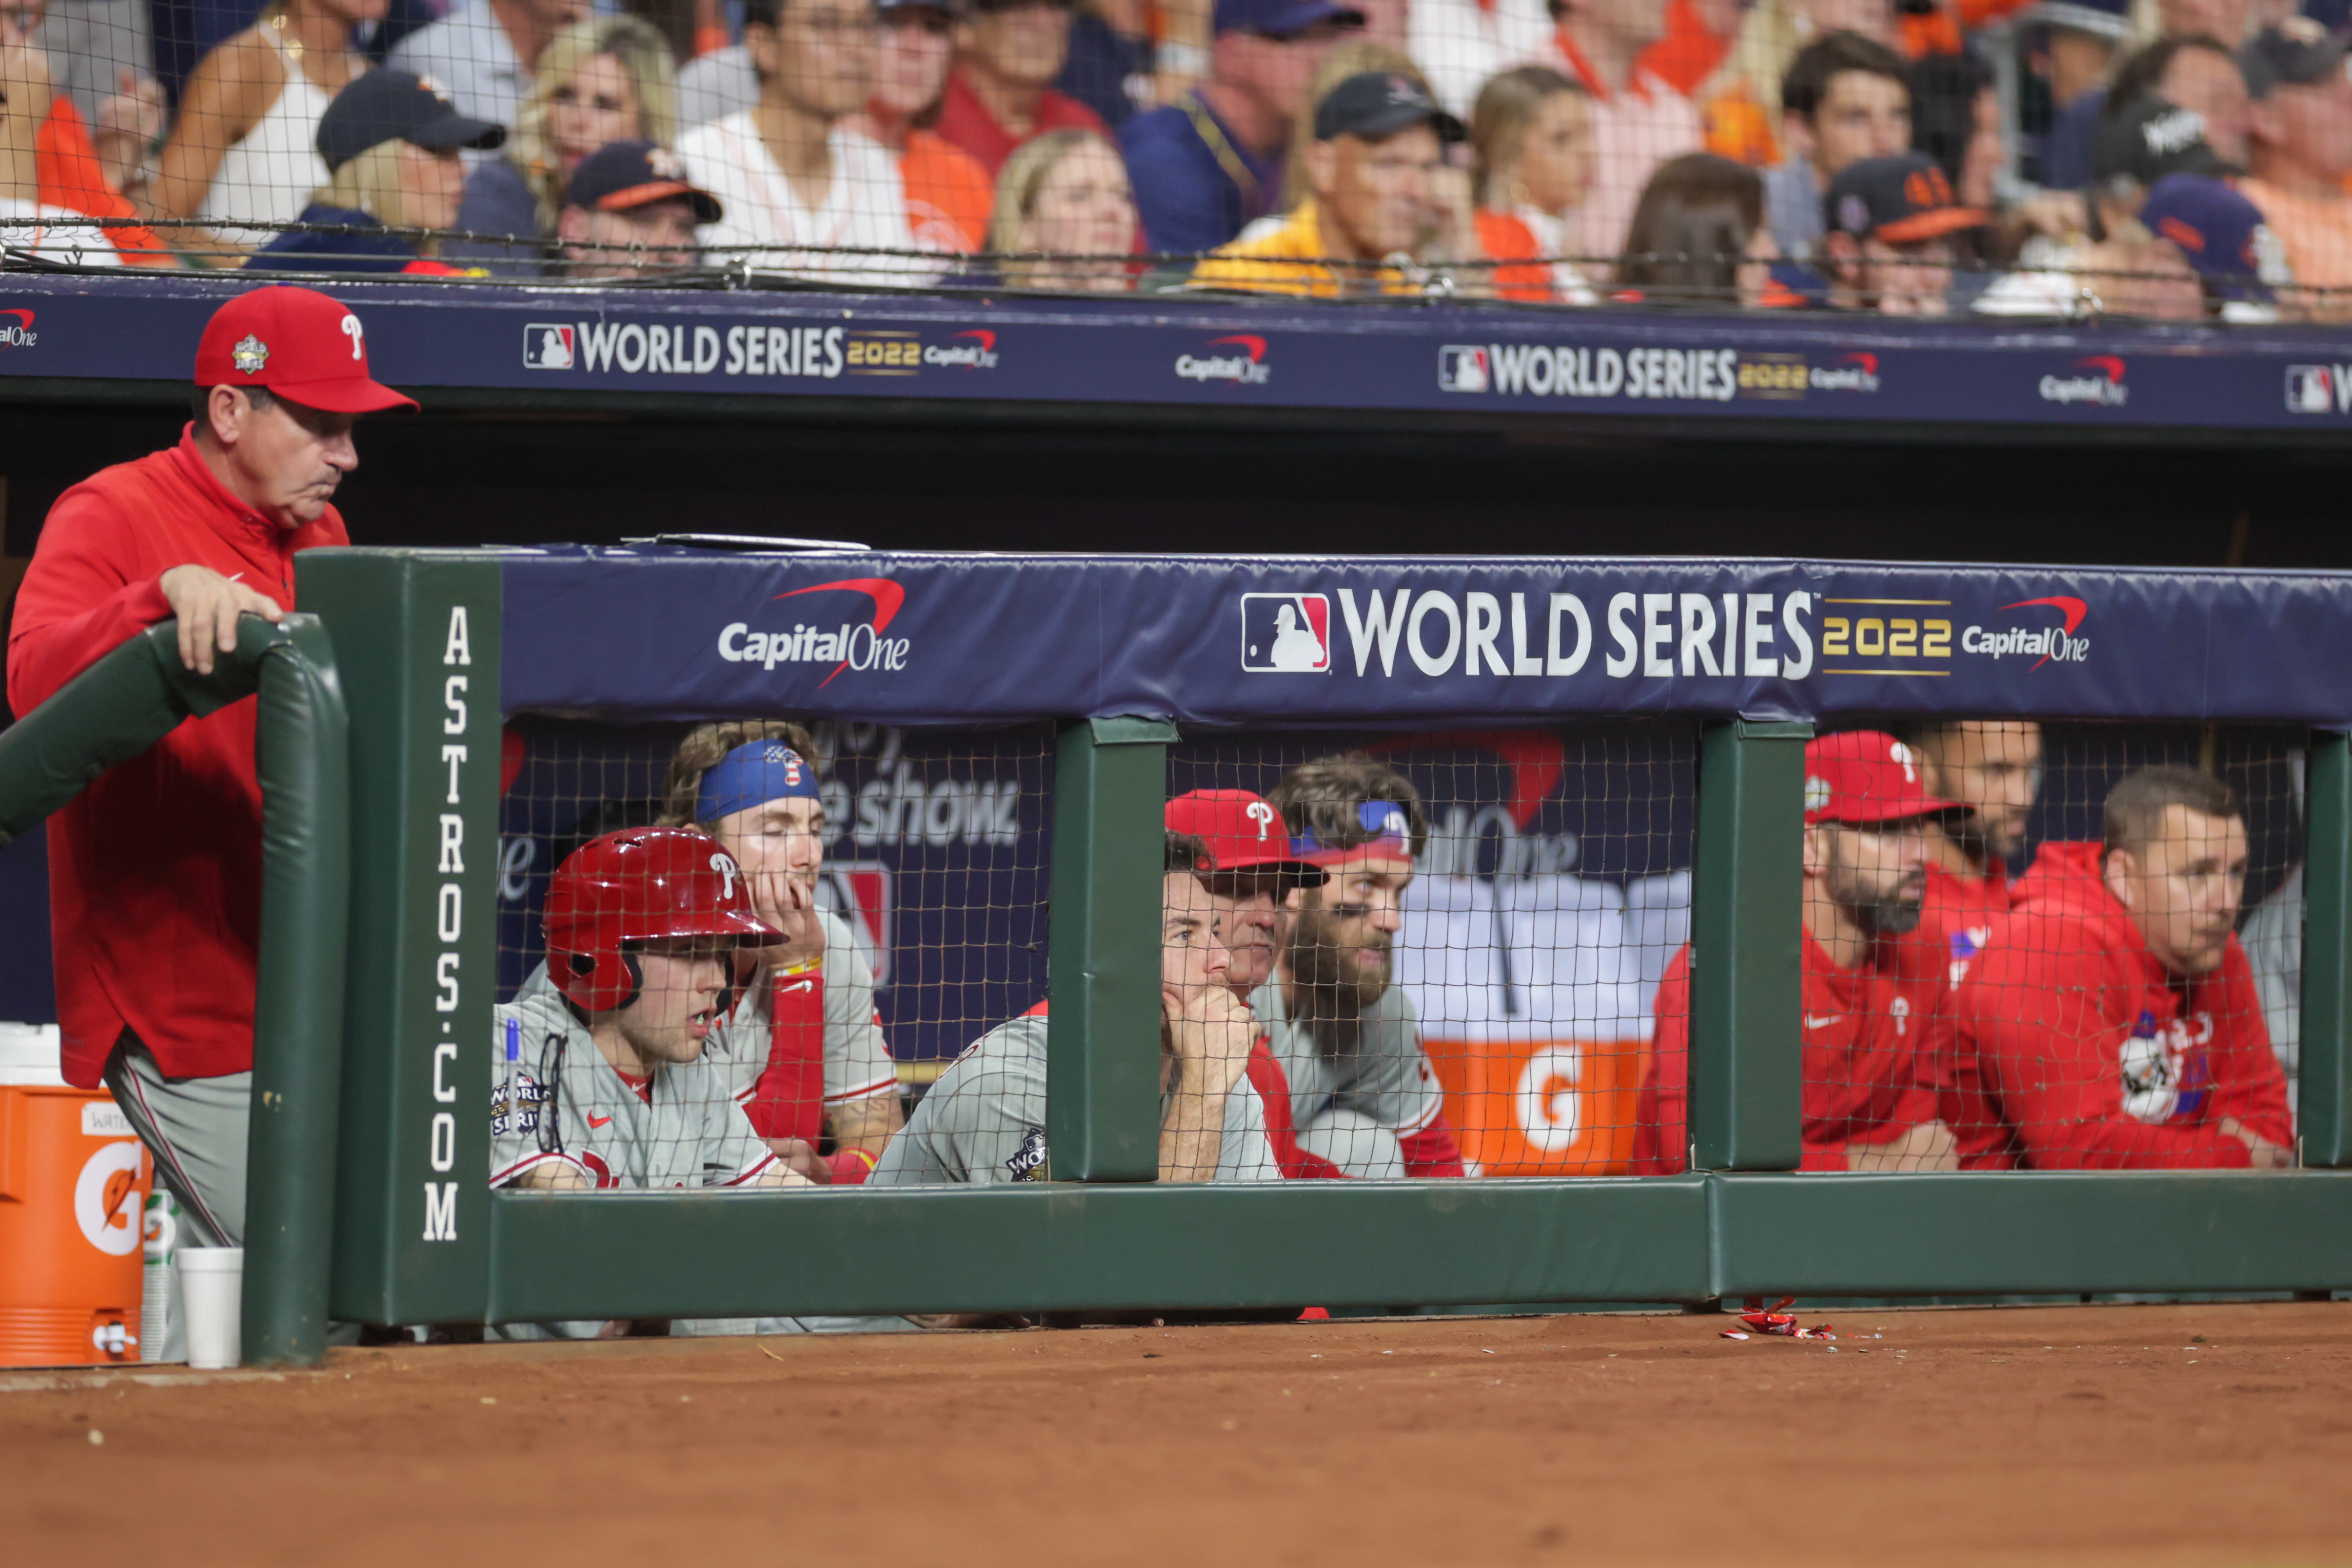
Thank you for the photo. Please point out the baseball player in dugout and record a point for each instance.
(804, 1046)
(984, 1119)
(2110, 1021)
(1875, 1013)
(1250, 888)
(155, 869)
(1994, 768)
(1363, 1096)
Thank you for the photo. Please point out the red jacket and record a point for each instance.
(155, 869)
(966, 122)
(2077, 1049)
(1867, 1030)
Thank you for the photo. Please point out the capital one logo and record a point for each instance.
(2097, 379)
(844, 645)
(1245, 365)
(2047, 642)
(17, 332)
(1286, 634)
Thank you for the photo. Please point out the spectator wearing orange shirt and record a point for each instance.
(2299, 145)
(947, 190)
(70, 171)
(1698, 36)
(1008, 53)
(1638, 121)
(1531, 132)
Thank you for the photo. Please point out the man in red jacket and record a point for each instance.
(1992, 766)
(155, 869)
(2111, 1022)
(1873, 1001)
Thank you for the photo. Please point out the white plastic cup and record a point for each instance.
(212, 1297)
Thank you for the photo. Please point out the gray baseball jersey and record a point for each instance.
(1384, 1076)
(556, 1098)
(857, 1062)
(984, 1120)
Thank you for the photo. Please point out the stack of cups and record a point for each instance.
(211, 1303)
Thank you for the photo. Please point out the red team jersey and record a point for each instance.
(2077, 1049)
(1865, 1030)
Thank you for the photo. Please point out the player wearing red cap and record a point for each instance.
(1363, 1096)
(1254, 876)
(155, 869)
(2110, 1021)
(1874, 1018)
(602, 1080)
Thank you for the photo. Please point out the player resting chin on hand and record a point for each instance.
(804, 1047)
(984, 1120)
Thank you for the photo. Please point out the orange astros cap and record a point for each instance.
(1865, 776)
(1244, 833)
(296, 341)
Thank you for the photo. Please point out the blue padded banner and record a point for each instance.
(923, 638)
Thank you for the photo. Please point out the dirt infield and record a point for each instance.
(2134, 1435)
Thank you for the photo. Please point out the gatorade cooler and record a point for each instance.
(74, 1180)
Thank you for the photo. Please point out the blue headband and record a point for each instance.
(752, 775)
(1383, 819)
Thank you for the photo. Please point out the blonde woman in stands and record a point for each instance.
(243, 151)
(1532, 133)
(1065, 194)
(608, 78)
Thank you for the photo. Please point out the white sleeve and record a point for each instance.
(518, 1101)
(857, 1062)
(1389, 1077)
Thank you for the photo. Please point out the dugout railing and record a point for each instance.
(438, 648)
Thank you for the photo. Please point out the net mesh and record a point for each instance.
(1663, 152)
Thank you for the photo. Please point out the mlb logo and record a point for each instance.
(2309, 389)
(859, 892)
(1462, 368)
(547, 346)
(1286, 634)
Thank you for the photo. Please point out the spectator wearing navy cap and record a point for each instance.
(2222, 236)
(1889, 245)
(392, 143)
(2299, 146)
(630, 211)
(1374, 167)
(1209, 165)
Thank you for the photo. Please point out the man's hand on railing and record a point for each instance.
(208, 605)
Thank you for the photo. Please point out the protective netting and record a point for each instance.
(2072, 158)
(1438, 954)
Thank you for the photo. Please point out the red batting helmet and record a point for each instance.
(641, 884)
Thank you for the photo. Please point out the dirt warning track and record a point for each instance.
(2146, 1436)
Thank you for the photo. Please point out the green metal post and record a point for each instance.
(419, 632)
(301, 753)
(2325, 1112)
(1746, 1077)
(1102, 1055)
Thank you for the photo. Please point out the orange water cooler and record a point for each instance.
(74, 1181)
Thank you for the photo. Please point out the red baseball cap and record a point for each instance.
(1865, 776)
(1243, 832)
(296, 341)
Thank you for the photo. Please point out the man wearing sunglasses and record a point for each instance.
(1209, 165)
(1008, 53)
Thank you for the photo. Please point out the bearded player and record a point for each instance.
(804, 1044)
(1874, 1016)
(1993, 767)
(1363, 1096)
(1255, 876)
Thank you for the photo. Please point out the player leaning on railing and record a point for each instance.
(1362, 1093)
(984, 1120)
(803, 1047)
(156, 871)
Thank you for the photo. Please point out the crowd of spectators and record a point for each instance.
(2176, 158)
